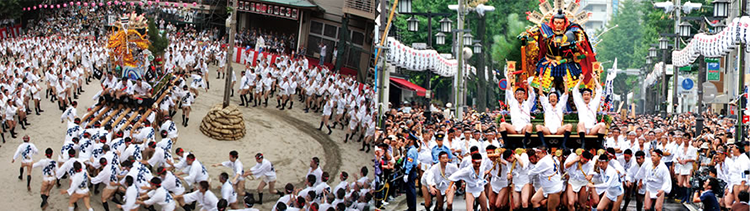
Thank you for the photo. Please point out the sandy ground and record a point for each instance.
(289, 139)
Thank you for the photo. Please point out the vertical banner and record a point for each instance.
(712, 69)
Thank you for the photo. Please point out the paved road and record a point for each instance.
(459, 203)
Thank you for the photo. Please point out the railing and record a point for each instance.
(363, 8)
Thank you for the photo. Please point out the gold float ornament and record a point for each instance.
(127, 37)
(558, 153)
(600, 152)
(571, 81)
(579, 151)
(547, 11)
(520, 151)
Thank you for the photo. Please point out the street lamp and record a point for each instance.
(684, 29)
(404, 6)
(412, 24)
(477, 48)
(468, 39)
(721, 8)
(649, 61)
(440, 38)
(445, 25)
(663, 44)
(719, 27)
(651, 53)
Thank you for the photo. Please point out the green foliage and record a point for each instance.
(10, 9)
(506, 46)
(158, 41)
(496, 24)
(622, 41)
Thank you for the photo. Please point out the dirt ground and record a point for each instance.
(289, 139)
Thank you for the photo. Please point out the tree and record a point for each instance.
(10, 9)
(158, 41)
(506, 46)
(623, 38)
(496, 24)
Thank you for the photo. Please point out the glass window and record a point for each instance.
(316, 28)
(330, 31)
(352, 59)
(358, 38)
(312, 45)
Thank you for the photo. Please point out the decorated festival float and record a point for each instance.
(557, 55)
(128, 45)
(129, 57)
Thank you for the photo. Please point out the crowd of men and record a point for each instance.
(418, 148)
(269, 41)
(138, 165)
(646, 158)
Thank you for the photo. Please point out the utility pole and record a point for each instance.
(701, 79)
(230, 52)
(675, 70)
(664, 82)
(459, 52)
(741, 86)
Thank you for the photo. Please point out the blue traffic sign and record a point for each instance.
(687, 84)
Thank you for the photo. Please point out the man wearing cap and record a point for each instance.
(440, 147)
(410, 173)
(520, 113)
(588, 106)
(611, 184)
(656, 178)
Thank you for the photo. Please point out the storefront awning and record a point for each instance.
(404, 84)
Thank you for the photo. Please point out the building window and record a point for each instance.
(316, 28)
(358, 38)
(352, 59)
(331, 31)
(322, 32)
